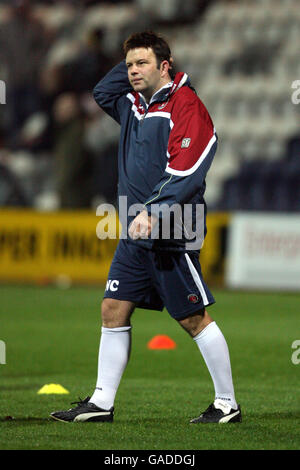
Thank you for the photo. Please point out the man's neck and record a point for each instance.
(149, 97)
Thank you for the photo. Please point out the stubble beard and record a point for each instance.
(144, 90)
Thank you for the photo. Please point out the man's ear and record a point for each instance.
(165, 66)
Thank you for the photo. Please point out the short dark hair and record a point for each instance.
(149, 39)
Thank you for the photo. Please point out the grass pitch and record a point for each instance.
(52, 336)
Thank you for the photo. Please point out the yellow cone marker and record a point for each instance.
(52, 388)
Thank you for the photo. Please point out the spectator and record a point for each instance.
(72, 168)
(23, 44)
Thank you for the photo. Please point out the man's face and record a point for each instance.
(143, 74)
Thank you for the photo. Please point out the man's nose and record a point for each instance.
(134, 70)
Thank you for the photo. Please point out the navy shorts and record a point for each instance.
(158, 279)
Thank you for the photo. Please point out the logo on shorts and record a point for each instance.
(193, 298)
(112, 285)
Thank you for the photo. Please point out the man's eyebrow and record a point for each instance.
(138, 60)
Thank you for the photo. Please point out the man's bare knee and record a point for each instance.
(116, 313)
(196, 322)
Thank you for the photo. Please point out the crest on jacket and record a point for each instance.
(185, 143)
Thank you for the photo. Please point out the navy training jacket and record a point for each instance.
(165, 151)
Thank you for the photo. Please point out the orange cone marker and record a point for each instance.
(161, 342)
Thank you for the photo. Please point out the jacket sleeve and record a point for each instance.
(110, 93)
(191, 149)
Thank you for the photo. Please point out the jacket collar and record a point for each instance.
(164, 93)
(179, 80)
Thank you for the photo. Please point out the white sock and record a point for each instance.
(114, 351)
(214, 350)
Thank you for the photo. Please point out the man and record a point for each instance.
(167, 144)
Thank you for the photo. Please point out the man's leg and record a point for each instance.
(129, 279)
(185, 295)
(113, 357)
(214, 350)
(114, 350)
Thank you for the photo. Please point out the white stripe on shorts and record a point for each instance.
(197, 279)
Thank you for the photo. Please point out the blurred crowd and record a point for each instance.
(57, 148)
